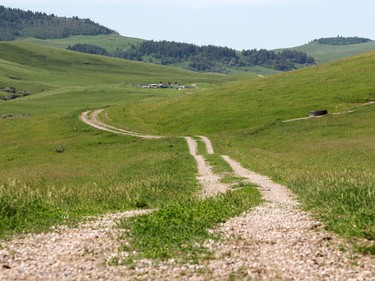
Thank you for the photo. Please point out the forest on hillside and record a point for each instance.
(204, 58)
(15, 23)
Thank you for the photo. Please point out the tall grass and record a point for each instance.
(142, 176)
(344, 199)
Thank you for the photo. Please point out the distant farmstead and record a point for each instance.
(175, 86)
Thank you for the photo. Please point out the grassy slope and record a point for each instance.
(110, 42)
(328, 162)
(327, 53)
(98, 172)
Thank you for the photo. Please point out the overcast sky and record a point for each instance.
(239, 24)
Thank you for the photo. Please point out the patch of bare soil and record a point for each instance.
(79, 253)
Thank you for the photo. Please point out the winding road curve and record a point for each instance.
(91, 118)
(209, 180)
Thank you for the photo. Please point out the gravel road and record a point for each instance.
(79, 253)
(274, 241)
(278, 241)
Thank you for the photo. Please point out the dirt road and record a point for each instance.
(275, 241)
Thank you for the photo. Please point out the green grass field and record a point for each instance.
(329, 162)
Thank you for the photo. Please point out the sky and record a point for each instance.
(238, 24)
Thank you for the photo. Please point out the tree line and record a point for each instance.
(203, 58)
(89, 49)
(339, 40)
(180, 51)
(282, 61)
(213, 58)
(15, 23)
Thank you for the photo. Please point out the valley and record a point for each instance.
(121, 169)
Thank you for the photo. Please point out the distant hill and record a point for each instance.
(203, 58)
(339, 40)
(330, 49)
(84, 35)
(118, 45)
(181, 55)
(16, 23)
(110, 42)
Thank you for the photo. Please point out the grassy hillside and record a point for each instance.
(324, 53)
(98, 171)
(329, 162)
(110, 42)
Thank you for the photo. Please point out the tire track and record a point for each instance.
(91, 118)
(206, 177)
(209, 147)
(278, 241)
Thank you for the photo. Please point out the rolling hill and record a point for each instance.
(110, 42)
(323, 53)
(16, 23)
(86, 36)
(62, 32)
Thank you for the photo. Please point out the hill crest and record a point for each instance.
(17, 23)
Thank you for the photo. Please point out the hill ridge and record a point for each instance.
(17, 23)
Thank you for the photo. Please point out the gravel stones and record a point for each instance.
(79, 253)
(211, 185)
